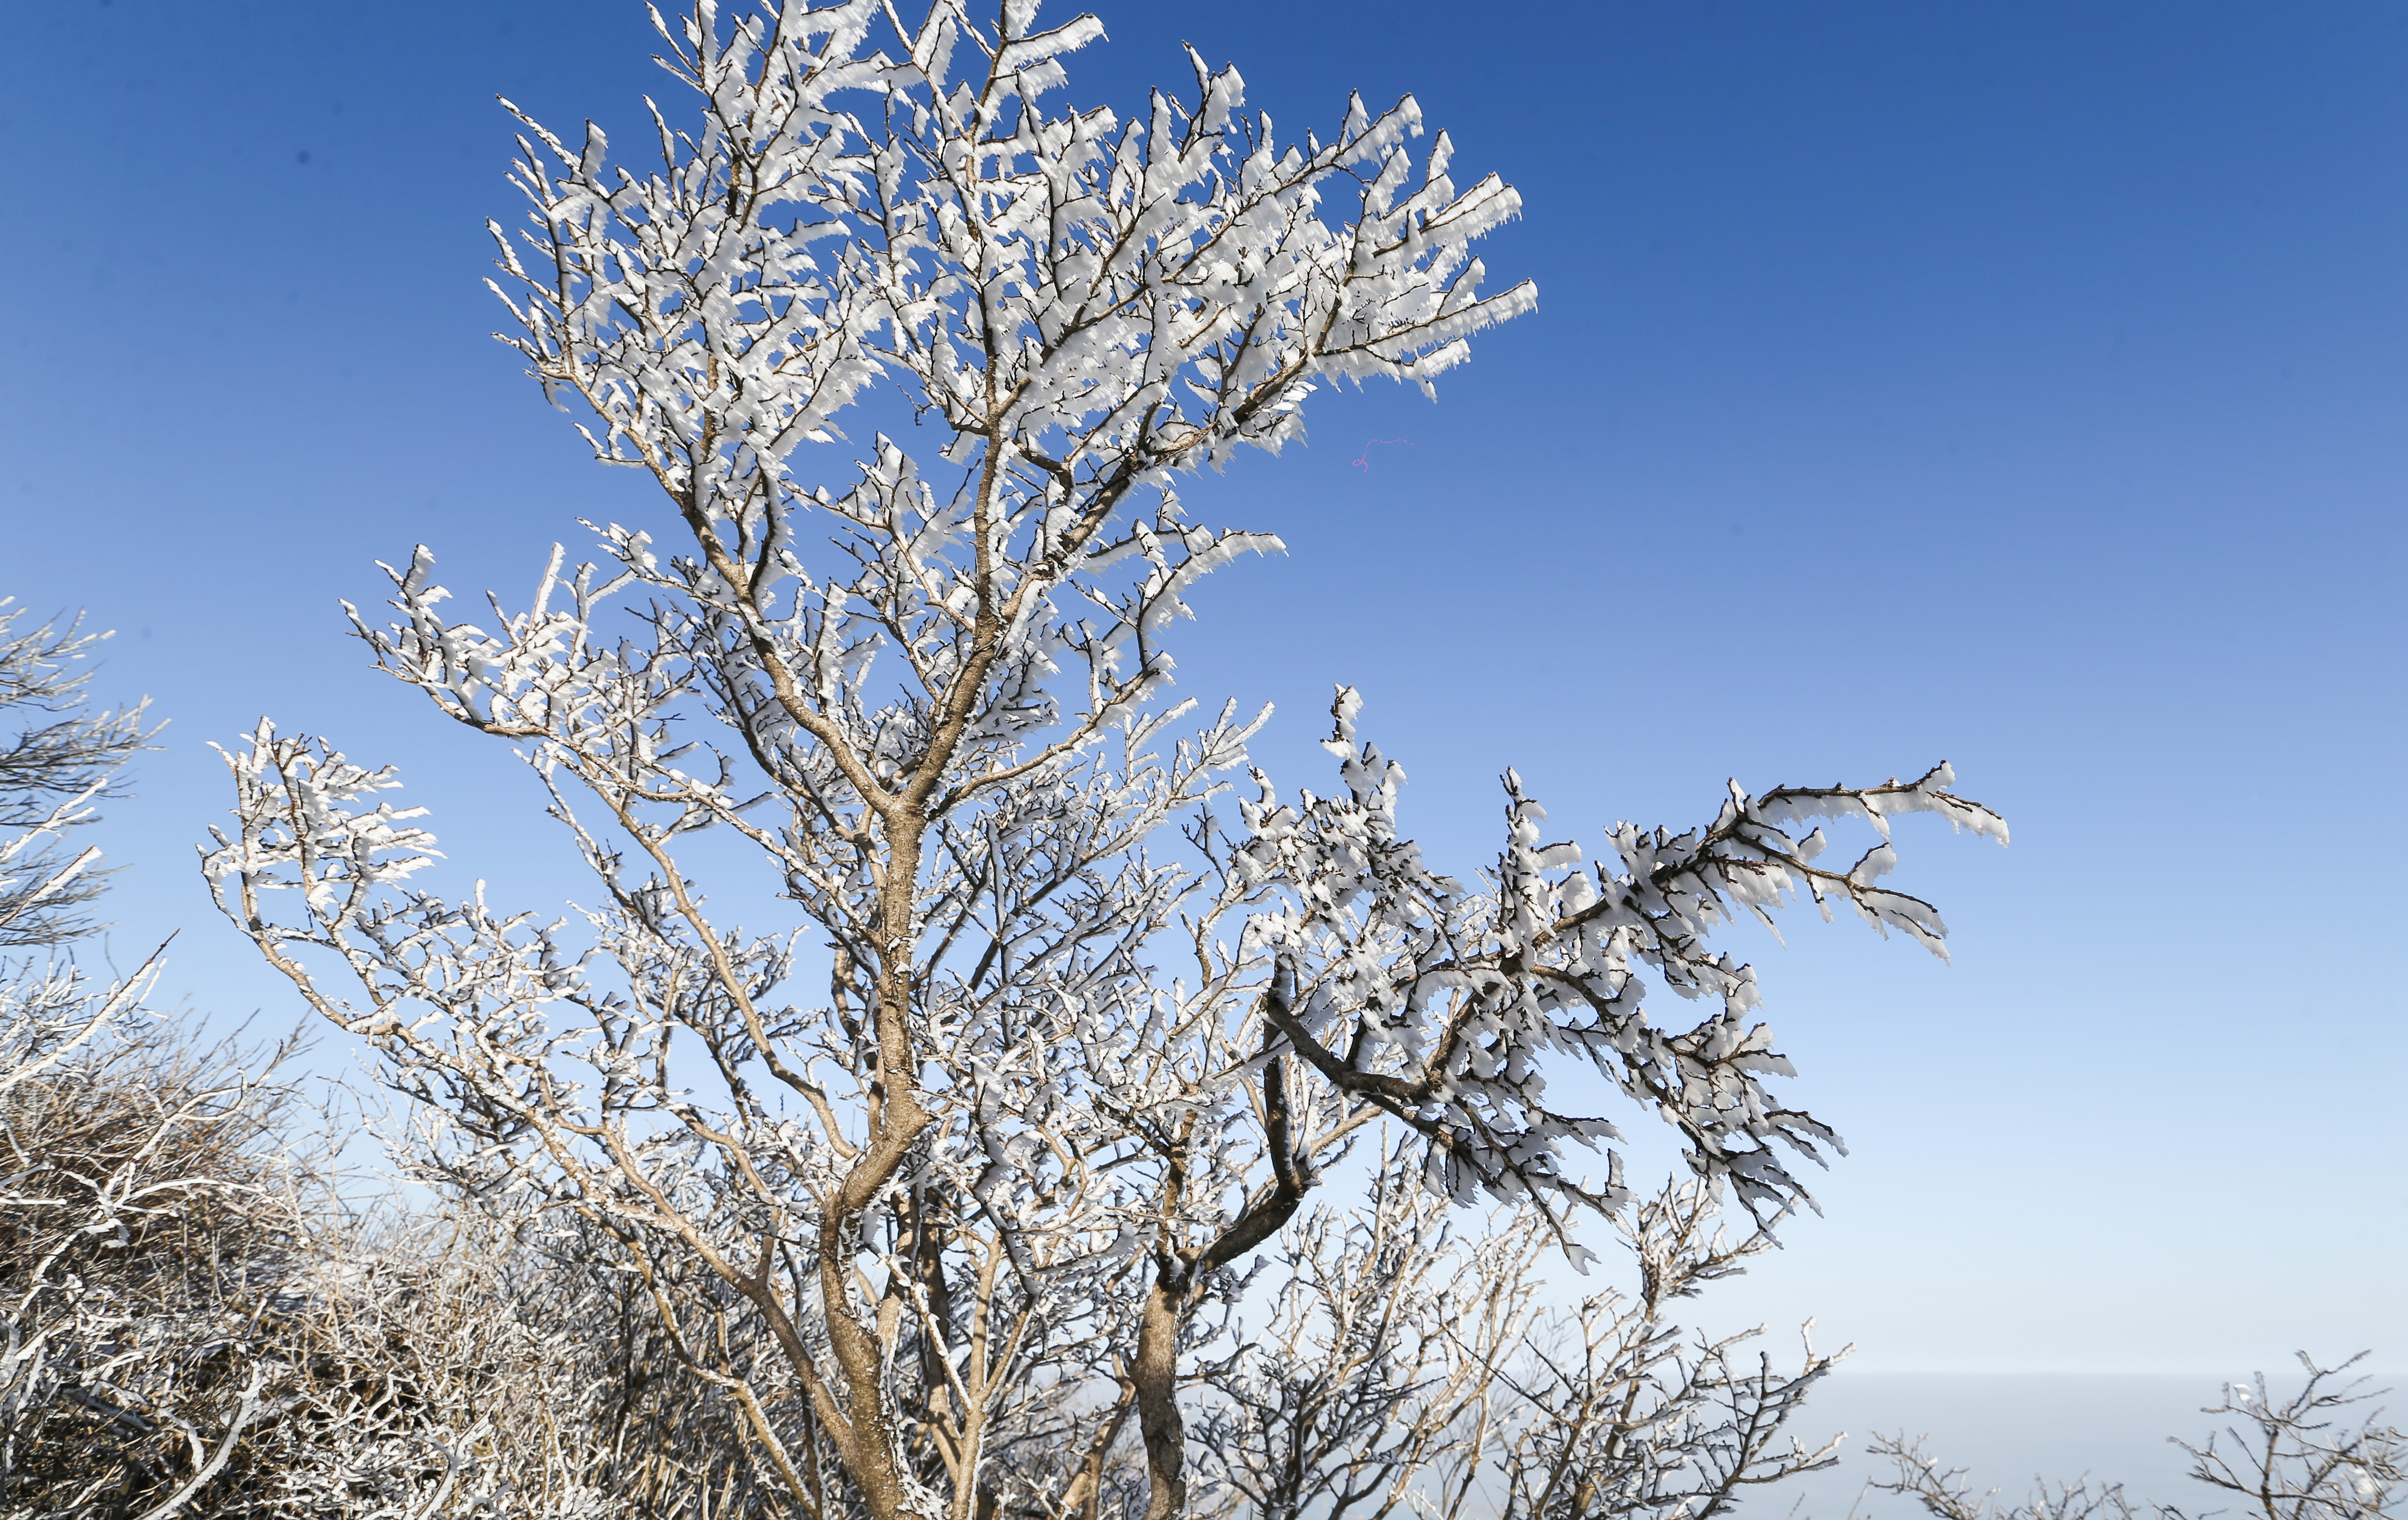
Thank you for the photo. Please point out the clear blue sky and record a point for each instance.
(2018, 384)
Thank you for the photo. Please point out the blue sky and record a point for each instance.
(2018, 386)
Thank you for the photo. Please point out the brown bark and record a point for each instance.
(1155, 1373)
(1154, 1370)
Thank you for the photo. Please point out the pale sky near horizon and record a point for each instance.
(2018, 386)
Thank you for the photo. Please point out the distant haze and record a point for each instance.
(2005, 1428)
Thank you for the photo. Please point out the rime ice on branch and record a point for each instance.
(1063, 1081)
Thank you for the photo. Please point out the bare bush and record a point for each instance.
(197, 1322)
(192, 1317)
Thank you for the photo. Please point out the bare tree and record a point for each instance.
(1403, 1370)
(2308, 1457)
(1370, 1384)
(2304, 1458)
(1625, 1415)
(1090, 1036)
(1947, 1493)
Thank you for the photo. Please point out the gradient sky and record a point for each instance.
(2020, 385)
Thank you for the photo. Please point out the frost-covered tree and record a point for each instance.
(1088, 1030)
(59, 760)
